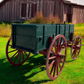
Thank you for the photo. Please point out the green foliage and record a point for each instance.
(79, 25)
(33, 71)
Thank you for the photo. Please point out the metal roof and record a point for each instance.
(1, 0)
(77, 2)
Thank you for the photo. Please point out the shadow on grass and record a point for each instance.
(69, 61)
(10, 74)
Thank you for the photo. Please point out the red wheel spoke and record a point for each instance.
(58, 44)
(60, 66)
(22, 56)
(73, 50)
(16, 58)
(60, 41)
(62, 60)
(25, 53)
(62, 50)
(14, 55)
(19, 57)
(54, 69)
(57, 68)
(10, 45)
(53, 52)
(52, 57)
(12, 51)
(78, 46)
(55, 47)
(63, 43)
(51, 63)
(63, 55)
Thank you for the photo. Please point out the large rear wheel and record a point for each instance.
(56, 57)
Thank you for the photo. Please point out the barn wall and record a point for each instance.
(11, 9)
(48, 7)
(68, 13)
(78, 14)
(59, 10)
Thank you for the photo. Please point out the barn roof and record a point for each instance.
(2, 2)
(75, 2)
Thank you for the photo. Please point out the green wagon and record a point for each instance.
(51, 40)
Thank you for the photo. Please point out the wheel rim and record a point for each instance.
(15, 57)
(56, 57)
(76, 46)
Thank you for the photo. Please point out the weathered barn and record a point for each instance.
(26, 9)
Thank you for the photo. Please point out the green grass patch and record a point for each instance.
(33, 71)
(79, 30)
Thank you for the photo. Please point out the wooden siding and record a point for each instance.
(78, 14)
(11, 10)
(48, 7)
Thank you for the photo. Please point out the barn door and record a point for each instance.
(69, 13)
(69, 17)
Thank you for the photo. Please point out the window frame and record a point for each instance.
(29, 2)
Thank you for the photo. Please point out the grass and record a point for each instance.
(33, 71)
(79, 30)
(5, 29)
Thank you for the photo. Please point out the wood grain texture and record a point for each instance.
(10, 10)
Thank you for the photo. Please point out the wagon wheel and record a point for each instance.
(56, 57)
(76, 46)
(15, 57)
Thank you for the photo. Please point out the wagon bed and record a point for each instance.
(35, 37)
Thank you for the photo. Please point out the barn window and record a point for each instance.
(33, 9)
(28, 10)
(23, 10)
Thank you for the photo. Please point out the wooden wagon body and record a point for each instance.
(35, 37)
(51, 40)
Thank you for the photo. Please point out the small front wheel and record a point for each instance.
(56, 57)
(76, 46)
(15, 57)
